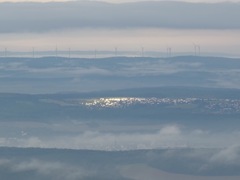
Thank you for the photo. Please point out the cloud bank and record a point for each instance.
(168, 136)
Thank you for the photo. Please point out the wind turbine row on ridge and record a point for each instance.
(197, 51)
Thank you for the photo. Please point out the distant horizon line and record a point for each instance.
(111, 54)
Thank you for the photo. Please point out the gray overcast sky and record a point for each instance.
(38, 17)
(120, 1)
(89, 25)
(210, 1)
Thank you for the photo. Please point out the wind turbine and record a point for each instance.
(33, 52)
(56, 51)
(142, 51)
(116, 51)
(69, 53)
(169, 51)
(5, 52)
(95, 53)
(197, 49)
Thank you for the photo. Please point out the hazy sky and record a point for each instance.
(89, 26)
(120, 1)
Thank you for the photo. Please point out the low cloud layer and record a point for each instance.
(184, 164)
(44, 169)
(111, 138)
